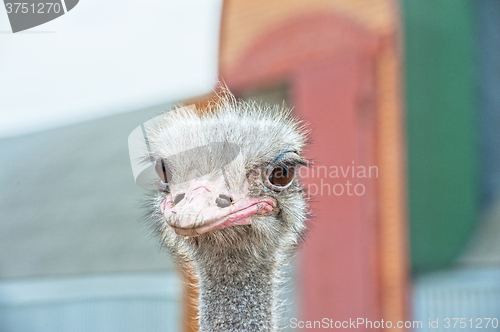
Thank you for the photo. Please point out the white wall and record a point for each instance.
(105, 57)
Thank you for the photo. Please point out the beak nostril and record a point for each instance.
(223, 201)
(179, 198)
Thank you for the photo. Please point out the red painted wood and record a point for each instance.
(338, 277)
(276, 55)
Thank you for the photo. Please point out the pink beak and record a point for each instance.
(208, 205)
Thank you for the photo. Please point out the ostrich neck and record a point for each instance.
(237, 293)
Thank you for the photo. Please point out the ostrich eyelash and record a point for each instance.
(289, 159)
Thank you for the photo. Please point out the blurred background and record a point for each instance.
(408, 88)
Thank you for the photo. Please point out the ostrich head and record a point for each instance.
(228, 176)
(231, 203)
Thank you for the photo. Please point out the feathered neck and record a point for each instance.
(238, 292)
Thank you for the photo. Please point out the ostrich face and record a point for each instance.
(229, 172)
(200, 204)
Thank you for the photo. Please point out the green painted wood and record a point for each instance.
(440, 103)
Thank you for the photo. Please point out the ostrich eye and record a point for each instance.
(281, 176)
(163, 172)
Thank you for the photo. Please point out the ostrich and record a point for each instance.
(229, 205)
